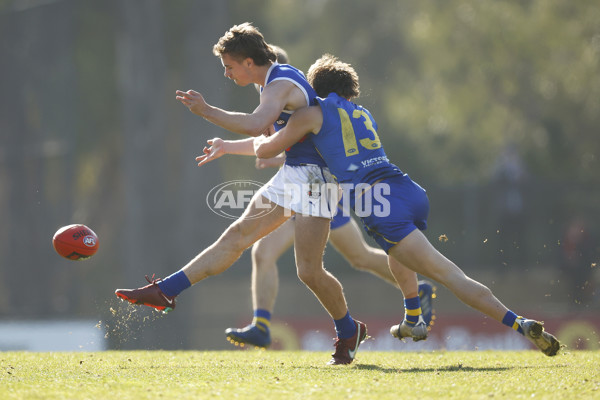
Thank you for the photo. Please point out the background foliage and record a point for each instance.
(493, 106)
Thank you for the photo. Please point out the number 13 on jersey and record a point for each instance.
(349, 135)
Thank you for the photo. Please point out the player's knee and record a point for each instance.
(262, 257)
(360, 263)
(307, 276)
(256, 251)
(235, 238)
(260, 252)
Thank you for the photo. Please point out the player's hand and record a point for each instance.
(192, 100)
(216, 150)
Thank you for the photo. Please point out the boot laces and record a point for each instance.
(152, 280)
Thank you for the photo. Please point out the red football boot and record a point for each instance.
(149, 295)
(345, 349)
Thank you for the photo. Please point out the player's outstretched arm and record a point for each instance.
(219, 147)
(303, 121)
(272, 101)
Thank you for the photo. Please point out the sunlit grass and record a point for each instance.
(298, 375)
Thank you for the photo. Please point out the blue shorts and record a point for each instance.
(339, 219)
(402, 210)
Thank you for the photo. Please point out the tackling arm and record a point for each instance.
(302, 122)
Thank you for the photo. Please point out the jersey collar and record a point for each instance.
(268, 75)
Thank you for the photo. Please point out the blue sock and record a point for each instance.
(510, 320)
(174, 284)
(412, 310)
(345, 327)
(262, 319)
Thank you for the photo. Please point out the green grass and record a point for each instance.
(298, 375)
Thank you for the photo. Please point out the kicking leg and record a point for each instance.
(240, 235)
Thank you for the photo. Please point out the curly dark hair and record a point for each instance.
(245, 41)
(330, 75)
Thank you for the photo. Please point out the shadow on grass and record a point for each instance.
(448, 368)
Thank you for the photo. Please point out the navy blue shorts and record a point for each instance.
(400, 211)
(339, 219)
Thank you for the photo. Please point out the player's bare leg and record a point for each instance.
(309, 243)
(311, 235)
(265, 284)
(240, 235)
(407, 280)
(265, 276)
(416, 253)
(237, 237)
(349, 241)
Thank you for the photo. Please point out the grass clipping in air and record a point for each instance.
(298, 375)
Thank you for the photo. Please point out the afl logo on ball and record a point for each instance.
(89, 241)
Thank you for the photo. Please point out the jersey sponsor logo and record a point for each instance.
(374, 161)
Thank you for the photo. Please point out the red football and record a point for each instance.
(75, 242)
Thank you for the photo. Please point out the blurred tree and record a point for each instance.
(142, 67)
(36, 156)
(493, 73)
(90, 130)
(453, 82)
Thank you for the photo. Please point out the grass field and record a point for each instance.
(299, 375)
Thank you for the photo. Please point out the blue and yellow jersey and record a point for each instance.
(349, 144)
(304, 151)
